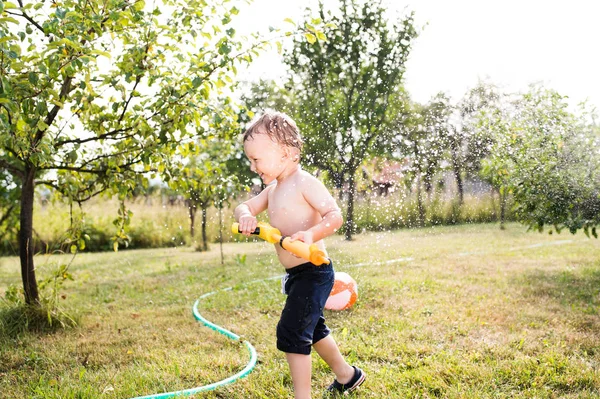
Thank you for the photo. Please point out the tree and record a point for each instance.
(468, 144)
(542, 154)
(436, 118)
(343, 86)
(204, 178)
(421, 136)
(93, 93)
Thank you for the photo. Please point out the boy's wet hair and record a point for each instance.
(278, 126)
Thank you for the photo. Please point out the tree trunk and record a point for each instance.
(420, 206)
(457, 173)
(494, 210)
(502, 209)
(192, 208)
(350, 210)
(338, 182)
(26, 246)
(428, 182)
(221, 235)
(204, 241)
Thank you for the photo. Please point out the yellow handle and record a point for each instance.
(312, 253)
(270, 234)
(263, 230)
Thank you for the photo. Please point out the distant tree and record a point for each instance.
(421, 137)
(436, 122)
(343, 86)
(467, 143)
(542, 154)
(265, 94)
(203, 178)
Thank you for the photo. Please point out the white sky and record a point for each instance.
(511, 43)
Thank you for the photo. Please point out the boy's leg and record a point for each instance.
(300, 369)
(328, 350)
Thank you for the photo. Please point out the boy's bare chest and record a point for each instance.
(288, 208)
(283, 200)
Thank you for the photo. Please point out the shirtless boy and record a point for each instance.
(301, 207)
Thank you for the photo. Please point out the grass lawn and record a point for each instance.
(452, 312)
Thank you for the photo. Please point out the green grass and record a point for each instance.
(476, 312)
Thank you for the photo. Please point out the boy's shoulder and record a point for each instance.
(306, 179)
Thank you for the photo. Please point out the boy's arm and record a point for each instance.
(317, 196)
(245, 213)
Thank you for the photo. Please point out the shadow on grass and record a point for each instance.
(16, 320)
(578, 291)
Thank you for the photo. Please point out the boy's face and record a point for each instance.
(267, 158)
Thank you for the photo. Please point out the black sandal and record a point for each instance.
(357, 379)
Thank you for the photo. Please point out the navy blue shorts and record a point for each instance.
(302, 323)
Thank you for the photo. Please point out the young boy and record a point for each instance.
(301, 207)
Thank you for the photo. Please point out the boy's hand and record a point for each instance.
(247, 224)
(304, 236)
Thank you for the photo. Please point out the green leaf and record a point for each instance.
(310, 37)
(196, 82)
(72, 156)
(100, 52)
(41, 125)
(139, 5)
(9, 19)
(33, 78)
(289, 21)
(8, 5)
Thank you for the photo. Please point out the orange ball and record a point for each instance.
(343, 294)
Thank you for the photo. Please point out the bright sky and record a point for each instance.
(511, 43)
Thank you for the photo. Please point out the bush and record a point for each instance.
(396, 212)
(155, 226)
(18, 317)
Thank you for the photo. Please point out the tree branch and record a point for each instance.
(91, 171)
(78, 199)
(89, 161)
(92, 195)
(64, 91)
(27, 17)
(108, 135)
(48, 183)
(12, 168)
(137, 81)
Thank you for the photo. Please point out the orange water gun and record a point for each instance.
(311, 253)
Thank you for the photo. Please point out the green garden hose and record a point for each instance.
(229, 380)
